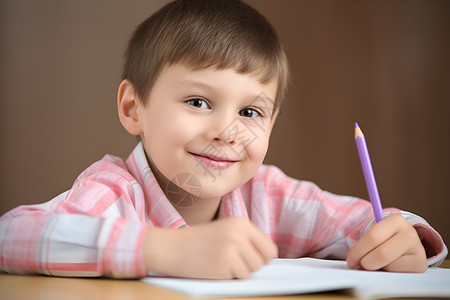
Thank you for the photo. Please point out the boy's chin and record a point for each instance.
(188, 188)
(210, 191)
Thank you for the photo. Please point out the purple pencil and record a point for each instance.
(368, 173)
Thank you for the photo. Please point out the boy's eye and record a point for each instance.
(250, 113)
(198, 103)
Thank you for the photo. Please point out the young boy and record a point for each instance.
(202, 85)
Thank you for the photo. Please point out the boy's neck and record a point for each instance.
(193, 209)
(203, 211)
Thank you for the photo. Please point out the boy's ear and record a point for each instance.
(128, 107)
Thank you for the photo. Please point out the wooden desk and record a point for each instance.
(49, 288)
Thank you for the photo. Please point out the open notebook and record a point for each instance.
(307, 275)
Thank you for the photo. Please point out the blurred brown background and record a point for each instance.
(383, 64)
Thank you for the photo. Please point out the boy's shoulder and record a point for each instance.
(110, 166)
(270, 175)
(276, 180)
(273, 174)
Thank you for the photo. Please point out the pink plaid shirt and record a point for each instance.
(97, 227)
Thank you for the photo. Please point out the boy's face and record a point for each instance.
(212, 126)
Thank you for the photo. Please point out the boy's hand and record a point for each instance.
(224, 249)
(391, 245)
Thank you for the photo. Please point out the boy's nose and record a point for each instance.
(225, 138)
(224, 129)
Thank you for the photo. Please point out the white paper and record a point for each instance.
(307, 275)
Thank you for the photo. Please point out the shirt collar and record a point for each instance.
(233, 205)
(159, 211)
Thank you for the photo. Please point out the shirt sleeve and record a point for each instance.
(92, 230)
(317, 223)
(434, 245)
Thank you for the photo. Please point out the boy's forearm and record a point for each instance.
(70, 245)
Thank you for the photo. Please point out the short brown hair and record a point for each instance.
(201, 34)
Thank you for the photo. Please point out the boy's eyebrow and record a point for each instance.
(196, 82)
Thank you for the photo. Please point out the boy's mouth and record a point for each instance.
(214, 161)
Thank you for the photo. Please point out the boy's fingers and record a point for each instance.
(392, 244)
(377, 234)
(252, 261)
(405, 263)
(267, 249)
(251, 257)
(386, 253)
(253, 253)
(240, 269)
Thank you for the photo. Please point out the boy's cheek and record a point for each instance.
(257, 150)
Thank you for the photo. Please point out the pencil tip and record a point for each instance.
(358, 132)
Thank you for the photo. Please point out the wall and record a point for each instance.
(383, 64)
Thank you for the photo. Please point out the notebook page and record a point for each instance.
(306, 275)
